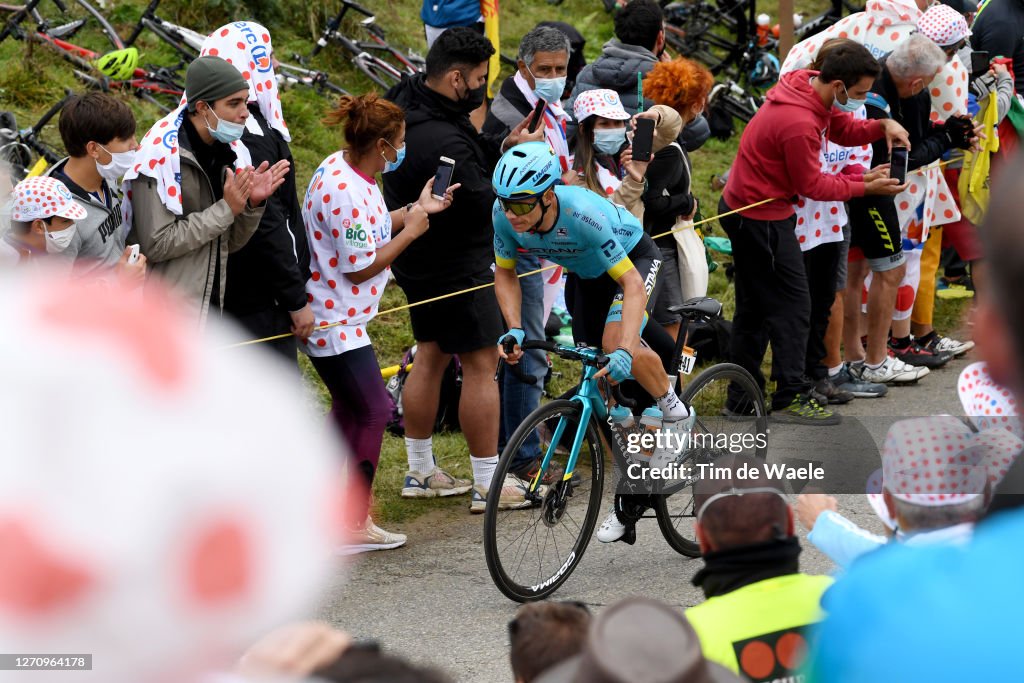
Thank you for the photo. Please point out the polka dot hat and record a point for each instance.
(603, 103)
(943, 25)
(936, 461)
(44, 197)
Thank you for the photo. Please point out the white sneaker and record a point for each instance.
(371, 537)
(674, 436)
(949, 345)
(611, 529)
(892, 370)
(437, 483)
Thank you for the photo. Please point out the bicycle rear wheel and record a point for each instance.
(719, 389)
(109, 32)
(530, 552)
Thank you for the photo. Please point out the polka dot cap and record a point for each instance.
(937, 461)
(44, 198)
(943, 25)
(603, 103)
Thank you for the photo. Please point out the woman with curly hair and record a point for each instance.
(682, 85)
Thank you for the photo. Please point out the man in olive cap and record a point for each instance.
(189, 209)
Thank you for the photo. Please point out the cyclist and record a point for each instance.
(613, 273)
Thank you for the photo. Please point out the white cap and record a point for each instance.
(44, 197)
(603, 103)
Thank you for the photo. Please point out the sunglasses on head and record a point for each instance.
(519, 207)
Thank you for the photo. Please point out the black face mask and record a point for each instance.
(473, 97)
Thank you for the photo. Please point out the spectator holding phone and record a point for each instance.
(603, 157)
(350, 232)
(540, 78)
(456, 254)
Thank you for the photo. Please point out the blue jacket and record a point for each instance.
(448, 13)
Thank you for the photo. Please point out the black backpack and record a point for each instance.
(447, 408)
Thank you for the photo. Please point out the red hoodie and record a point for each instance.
(780, 151)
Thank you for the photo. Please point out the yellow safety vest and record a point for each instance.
(758, 630)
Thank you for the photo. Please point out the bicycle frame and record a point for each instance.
(593, 405)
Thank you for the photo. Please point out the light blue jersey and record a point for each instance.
(592, 235)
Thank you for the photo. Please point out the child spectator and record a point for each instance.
(98, 132)
(43, 220)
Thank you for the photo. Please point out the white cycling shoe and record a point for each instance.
(611, 529)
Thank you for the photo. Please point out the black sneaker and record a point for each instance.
(922, 357)
(805, 410)
(831, 393)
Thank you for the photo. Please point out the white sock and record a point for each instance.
(483, 470)
(832, 372)
(671, 407)
(421, 454)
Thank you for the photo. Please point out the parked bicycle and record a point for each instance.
(377, 59)
(532, 547)
(23, 150)
(187, 44)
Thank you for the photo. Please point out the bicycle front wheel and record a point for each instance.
(731, 419)
(532, 546)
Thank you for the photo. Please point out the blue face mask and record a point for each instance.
(226, 131)
(851, 105)
(609, 140)
(548, 89)
(390, 166)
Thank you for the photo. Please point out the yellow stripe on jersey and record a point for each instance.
(506, 263)
(620, 268)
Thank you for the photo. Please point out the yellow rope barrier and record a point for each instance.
(532, 272)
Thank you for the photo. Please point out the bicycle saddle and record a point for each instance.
(701, 305)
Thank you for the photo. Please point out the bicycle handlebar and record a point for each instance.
(583, 354)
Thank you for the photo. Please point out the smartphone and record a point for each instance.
(443, 178)
(898, 164)
(643, 139)
(979, 63)
(538, 115)
(133, 255)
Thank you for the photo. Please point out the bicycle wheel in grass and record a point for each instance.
(731, 413)
(532, 550)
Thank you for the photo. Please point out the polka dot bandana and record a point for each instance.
(44, 198)
(246, 46)
(943, 25)
(603, 103)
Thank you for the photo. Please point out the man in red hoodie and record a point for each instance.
(779, 158)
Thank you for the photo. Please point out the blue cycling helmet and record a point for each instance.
(526, 170)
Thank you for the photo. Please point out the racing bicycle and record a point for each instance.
(533, 549)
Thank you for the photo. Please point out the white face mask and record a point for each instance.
(59, 240)
(119, 164)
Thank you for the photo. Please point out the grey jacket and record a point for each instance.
(100, 236)
(183, 251)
